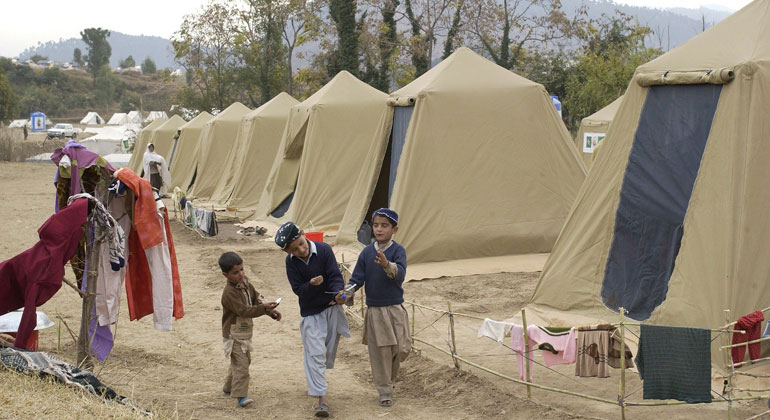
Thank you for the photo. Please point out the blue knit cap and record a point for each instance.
(387, 213)
(286, 234)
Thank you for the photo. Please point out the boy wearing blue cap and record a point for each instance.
(381, 268)
(315, 278)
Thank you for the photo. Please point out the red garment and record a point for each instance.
(752, 324)
(146, 232)
(145, 219)
(31, 278)
(177, 284)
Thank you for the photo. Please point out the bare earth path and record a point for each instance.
(181, 371)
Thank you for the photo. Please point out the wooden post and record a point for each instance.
(452, 331)
(622, 393)
(729, 363)
(84, 358)
(413, 321)
(526, 352)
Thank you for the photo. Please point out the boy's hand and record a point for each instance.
(339, 299)
(315, 281)
(381, 260)
(275, 315)
(269, 306)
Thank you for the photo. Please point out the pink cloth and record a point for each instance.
(564, 343)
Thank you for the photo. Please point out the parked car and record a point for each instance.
(62, 131)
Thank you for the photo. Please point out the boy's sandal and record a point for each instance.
(322, 410)
(386, 400)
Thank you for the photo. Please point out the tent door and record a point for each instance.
(662, 167)
(401, 117)
(385, 182)
(283, 207)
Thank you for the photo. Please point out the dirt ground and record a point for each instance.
(181, 371)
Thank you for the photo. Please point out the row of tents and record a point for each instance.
(473, 156)
(671, 224)
(123, 118)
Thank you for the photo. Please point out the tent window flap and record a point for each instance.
(662, 167)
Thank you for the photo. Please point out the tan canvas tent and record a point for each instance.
(672, 223)
(321, 153)
(216, 140)
(163, 136)
(182, 158)
(140, 145)
(474, 159)
(248, 165)
(593, 129)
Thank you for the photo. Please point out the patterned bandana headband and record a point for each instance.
(286, 234)
(387, 213)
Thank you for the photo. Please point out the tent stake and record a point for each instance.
(452, 330)
(527, 378)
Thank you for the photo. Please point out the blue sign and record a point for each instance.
(37, 121)
(556, 103)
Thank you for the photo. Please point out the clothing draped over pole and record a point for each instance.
(31, 278)
(152, 279)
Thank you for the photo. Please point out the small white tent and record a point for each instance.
(135, 117)
(156, 115)
(119, 118)
(18, 123)
(92, 118)
(107, 140)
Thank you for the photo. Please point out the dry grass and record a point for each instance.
(28, 397)
(13, 147)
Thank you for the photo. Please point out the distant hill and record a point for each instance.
(671, 28)
(139, 46)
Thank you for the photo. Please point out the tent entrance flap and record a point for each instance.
(401, 117)
(283, 207)
(387, 178)
(662, 167)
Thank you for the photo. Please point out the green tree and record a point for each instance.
(345, 56)
(506, 29)
(38, 57)
(77, 57)
(454, 31)
(613, 49)
(99, 49)
(8, 99)
(302, 23)
(387, 44)
(203, 46)
(259, 46)
(148, 66)
(128, 62)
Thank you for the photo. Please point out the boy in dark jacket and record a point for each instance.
(381, 267)
(240, 303)
(315, 278)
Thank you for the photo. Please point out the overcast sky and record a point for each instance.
(25, 24)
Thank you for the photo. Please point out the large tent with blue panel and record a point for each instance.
(672, 224)
(475, 160)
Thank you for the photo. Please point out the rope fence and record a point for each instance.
(451, 349)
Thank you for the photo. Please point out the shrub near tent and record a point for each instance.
(671, 224)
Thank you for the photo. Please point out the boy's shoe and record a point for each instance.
(245, 402)
(322, 410)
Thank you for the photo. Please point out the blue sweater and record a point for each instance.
(314, 299)
(381, 290)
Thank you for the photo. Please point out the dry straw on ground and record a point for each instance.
(13, 147)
